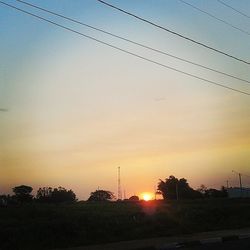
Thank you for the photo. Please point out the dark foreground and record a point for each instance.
(231, 245)
(41, 226)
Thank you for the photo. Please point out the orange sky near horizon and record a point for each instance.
(78, 110)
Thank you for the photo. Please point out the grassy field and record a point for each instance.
(40, 226)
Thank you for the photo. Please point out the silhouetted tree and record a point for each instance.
(56, 195)
(173, 186)
(202, 189)
(6, 200)
(3, 200)
(101, 195)
(214, 193)
(63, 195)
(44, 194)
(23, 193)
(134, 198)
(168, 188)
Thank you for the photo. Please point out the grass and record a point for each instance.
(41, 226)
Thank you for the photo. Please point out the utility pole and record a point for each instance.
(241, 190)
(240, 182)
(227, 184)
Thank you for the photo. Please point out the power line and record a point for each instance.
(229, 6)
(174, 32)
(133, 42)
(125, 51)
(215, 17)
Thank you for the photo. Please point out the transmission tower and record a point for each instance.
(119, 192)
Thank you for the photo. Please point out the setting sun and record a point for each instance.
(147, 196)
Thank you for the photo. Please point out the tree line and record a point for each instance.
(22, 194)
(171, 188)
(174, 189)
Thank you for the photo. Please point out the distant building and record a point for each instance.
(236, 192)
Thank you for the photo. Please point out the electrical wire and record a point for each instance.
(131, 41)
(175, 33)
(215, 17)
(229, 6)
(125, 51)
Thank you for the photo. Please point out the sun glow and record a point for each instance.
(147, 196)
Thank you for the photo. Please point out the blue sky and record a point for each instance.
(78, 109)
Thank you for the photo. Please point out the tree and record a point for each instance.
(23, 193)
(101, 195)
(214, 193)
(202, 189)
(168, 188)
(134, 198)
(3, 200)
(44, 194)
(6, 200)
(173, 188)
(56, 195)
(63, 195)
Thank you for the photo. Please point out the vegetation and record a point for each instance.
(101, 195)
(134, 198)
(48, 226)
(54, 218)
(211, 192)
(23, 193)
(56, 195)
(174, 188)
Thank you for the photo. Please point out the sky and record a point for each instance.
(78, 109)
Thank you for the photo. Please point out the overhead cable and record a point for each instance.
(175, 33)
(133, 42)
(231, 7)
(125, 51)
(215, 17)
